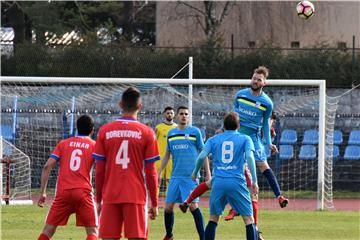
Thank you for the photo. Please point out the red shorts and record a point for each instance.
(133, 217)
(247, 176)
(67, 202)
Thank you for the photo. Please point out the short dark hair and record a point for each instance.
(168, 108)
(231, 121)
(181, 107)
(262, 70)
(273, 115)
(130, 99)
(85, 125)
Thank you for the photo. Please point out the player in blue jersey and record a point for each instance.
(184, 144)
(228, 150)
(255, 108)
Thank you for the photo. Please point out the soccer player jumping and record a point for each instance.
(255, 108)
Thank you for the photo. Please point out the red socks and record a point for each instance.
(43, 237)
(255, 210)
(197, 192)
(91, 237)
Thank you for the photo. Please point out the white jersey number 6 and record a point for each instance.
(75, 159)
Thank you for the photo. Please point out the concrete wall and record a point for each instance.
(333, 22)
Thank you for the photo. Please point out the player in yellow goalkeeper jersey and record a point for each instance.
(162, 130)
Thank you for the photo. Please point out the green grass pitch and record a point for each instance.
(26, 222)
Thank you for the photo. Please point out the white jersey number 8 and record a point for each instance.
(227, 151)
(75, 159)
(122, 155)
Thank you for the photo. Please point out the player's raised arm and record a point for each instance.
(51, 162)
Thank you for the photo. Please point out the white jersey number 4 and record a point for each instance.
(75, 159)
(122, 155)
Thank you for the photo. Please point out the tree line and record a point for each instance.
(336, 66)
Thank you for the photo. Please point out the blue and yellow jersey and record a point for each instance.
(252, 110)
(184, 146)
(228, 153)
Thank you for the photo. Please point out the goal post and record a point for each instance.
(92, 89)
(16, 188)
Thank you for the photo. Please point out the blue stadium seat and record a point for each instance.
(311, 136)
(354, 138)
(352, 152)
(335, 138)
(307, 152)
(288, 136)
(286, 152)
(335, 152)
(6, 132)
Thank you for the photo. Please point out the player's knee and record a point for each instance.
(263, 166)
(49, 230)
(254, 197)
(248, 220)
(193, 206)
(208, 183)
(91, 231)
(169, 208)
(214, 218)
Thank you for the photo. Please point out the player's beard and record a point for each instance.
(255, 89)
(169, 119)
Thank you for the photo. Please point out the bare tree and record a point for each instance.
(210, 15)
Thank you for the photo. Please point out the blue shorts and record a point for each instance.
(259, 154)
(179, 190)
(232, 191)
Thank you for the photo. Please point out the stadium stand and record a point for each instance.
(352, 152)
(337, 137)
(335, 152)
(286, 152)
(307, 152)
(6, 132)
(354, 138)
(288, 136)
(311, 136)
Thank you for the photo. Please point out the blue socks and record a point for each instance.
(251, 232)
(169, 222)
(210, 230)
(270, 177)
(199, 222)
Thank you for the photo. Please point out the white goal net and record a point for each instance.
(16, 180)
(46, 110)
